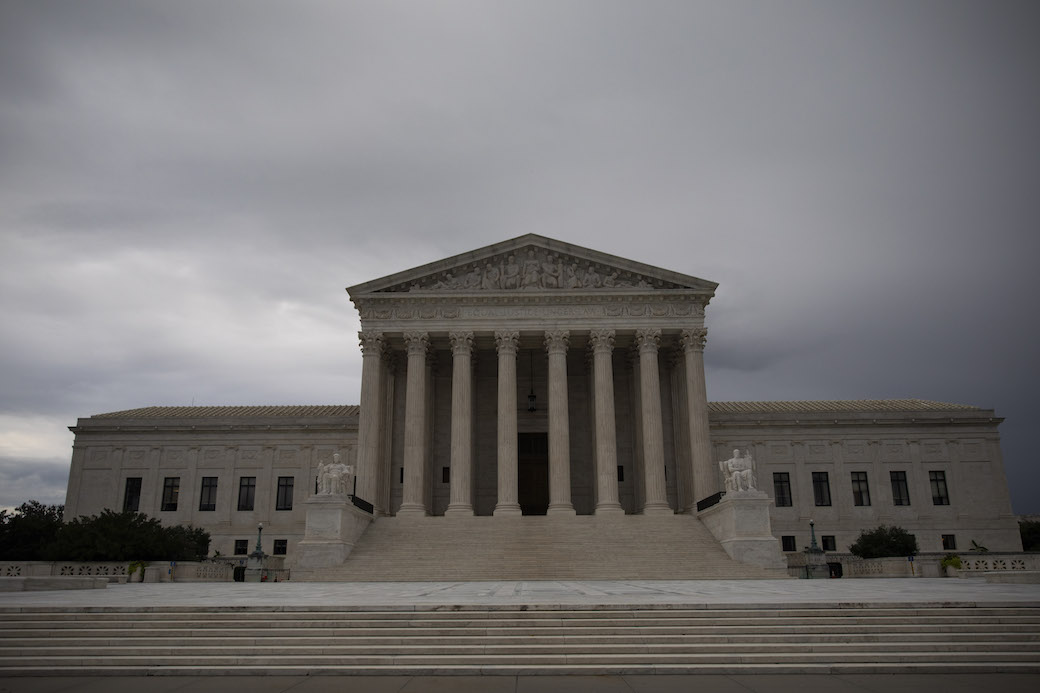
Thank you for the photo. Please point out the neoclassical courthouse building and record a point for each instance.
(537, 378)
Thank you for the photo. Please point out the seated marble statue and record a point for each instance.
(738, 472)
(333, 477)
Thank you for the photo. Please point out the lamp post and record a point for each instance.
(255, 570)
(813, 554)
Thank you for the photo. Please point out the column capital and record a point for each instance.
(461, 343)
(601, 341)
(693, 340)
(507, 341)
(557, 341)
(372, 343)
(417, 342)
(648, 339)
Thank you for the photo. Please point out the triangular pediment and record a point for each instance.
(532, 263)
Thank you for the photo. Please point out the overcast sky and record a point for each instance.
(187, 187)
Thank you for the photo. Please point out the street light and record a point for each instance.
(813, 554)
(260, 531)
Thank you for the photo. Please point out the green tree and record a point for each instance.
(1030, 531)
(884, 541)
(26, 533)
(125, 536)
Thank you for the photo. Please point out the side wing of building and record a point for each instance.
(932, 468)
(224, 469)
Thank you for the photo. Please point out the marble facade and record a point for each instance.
(537, 377)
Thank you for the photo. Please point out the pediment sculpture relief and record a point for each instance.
(531, 269)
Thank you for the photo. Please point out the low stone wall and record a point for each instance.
(156, 571)
(924, 565)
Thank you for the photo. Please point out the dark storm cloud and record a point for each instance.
(186, 188)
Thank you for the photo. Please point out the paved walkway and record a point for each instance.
(535, 593)
(781, 683)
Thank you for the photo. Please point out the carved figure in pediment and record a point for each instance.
(592, 280)
(550, 273)
(472, 280)
(532, 272)
(511, 274)
(570, 276)
(490, 280)
(445, 283)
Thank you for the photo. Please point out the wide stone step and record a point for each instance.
(474, 640)
(628, 648)
(531, 548)
(208, 641)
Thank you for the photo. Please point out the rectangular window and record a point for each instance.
(241, 547)
(782, 489)
(208, 496)
(171, 490)
(285, 493)
(445, 475)
(821, 487)
(621, 472)
(246, 492)
(949, 542)
(860, 489)
(940, 495)
(900, 491)
(132, 495)
(788, 543)
(828, 543)
(280, 546)
(400, 475)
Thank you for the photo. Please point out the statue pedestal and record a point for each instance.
(740, 521)
(334, 524)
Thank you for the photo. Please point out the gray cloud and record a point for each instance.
(187, 187)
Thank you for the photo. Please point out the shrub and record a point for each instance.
(884, 541)
(25, 534)
(125, 536)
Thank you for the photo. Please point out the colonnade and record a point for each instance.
(372, 439)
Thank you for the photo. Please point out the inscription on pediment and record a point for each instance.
(532, 269)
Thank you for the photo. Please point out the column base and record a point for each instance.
(561, 509)
(609, 509)
(460, 510)
(412, 510)
(657, 509)
(508, 510)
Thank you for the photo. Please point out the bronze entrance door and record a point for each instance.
(533, 472)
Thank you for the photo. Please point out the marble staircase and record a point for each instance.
(777, 638)
(586, 547)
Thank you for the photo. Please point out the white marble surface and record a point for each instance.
(548, 593)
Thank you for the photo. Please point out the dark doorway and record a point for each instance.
(533, 472)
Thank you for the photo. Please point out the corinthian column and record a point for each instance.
(508, 493)
(653, 431)
(556, 342)
(560, 431)
(602, 342)
(414, 497)
(704, 476)
(461, 501)
(371, 416)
